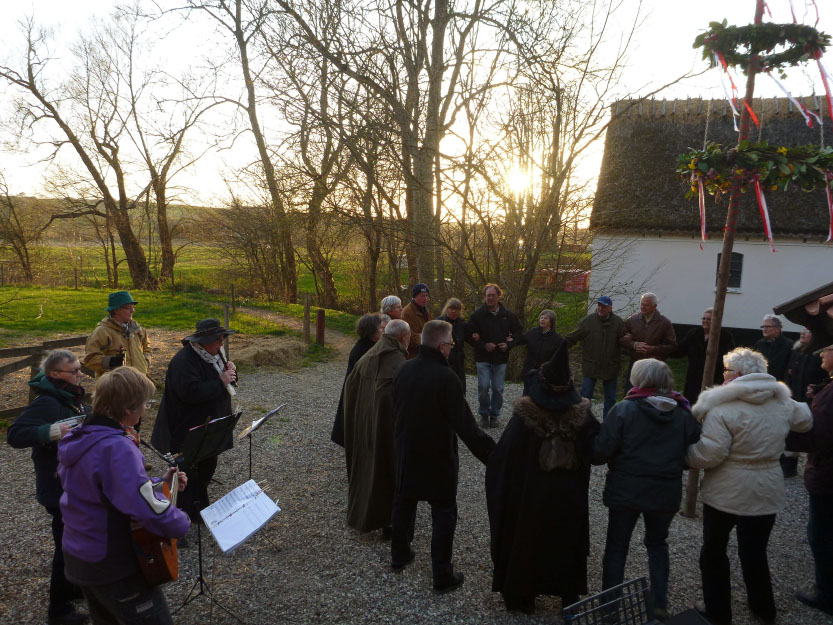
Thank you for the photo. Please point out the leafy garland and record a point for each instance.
(802, 43)
(807, 167)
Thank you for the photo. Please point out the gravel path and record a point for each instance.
(306, 566)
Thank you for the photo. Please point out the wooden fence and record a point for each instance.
(32, 357)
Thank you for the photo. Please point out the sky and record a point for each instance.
(661, 51)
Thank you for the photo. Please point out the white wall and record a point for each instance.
(683, 276)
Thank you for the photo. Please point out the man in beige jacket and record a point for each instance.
(118, 340)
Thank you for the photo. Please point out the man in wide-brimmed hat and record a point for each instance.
(198, 387)
(118, 340)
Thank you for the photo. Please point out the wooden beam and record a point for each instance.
(20, 364)
(11, 413)
(28, 350)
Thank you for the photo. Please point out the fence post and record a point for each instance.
(2, 275)
(225, 343)
(319, 326)
(233, 300)
(76, 277)
(307, 302)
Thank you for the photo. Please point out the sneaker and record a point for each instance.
(812, 600)
(396, 567)
(449, 584)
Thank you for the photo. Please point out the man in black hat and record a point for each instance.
(198, 387)
(118, 340)
(416, 313)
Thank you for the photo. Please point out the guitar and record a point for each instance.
(158, 556)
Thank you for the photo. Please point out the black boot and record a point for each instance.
(789, 465)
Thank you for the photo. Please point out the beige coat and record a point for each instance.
(745, 423)
(107, 340)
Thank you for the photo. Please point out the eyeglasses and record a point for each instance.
(730, 370)
(764, 327)
(448, 343)
(71, 371)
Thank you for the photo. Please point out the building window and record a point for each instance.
(735, 270)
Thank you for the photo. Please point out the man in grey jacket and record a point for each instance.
(599, 333)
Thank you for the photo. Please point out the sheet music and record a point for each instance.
(258, 422)
(239, 514)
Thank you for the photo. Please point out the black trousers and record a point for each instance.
(61, 591)
(195, 496)
(443, 525)
(753, 536)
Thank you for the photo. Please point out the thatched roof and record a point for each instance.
(639, 190)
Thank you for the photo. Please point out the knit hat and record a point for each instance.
(419, 287)
(118, 299)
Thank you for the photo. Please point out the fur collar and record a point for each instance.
(753, 388)
(558, 429)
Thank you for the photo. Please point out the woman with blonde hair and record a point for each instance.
(453, 313)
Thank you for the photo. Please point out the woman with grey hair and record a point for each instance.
(542, 342)
(745, 424)
(391, 306)
(57, 408)
(643, 440)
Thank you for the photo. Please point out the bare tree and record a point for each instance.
(20, 227)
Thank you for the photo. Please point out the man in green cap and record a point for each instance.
(117, 339)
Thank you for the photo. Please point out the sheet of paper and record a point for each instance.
(238, 515)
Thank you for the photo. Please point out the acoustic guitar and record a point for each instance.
(158, 557)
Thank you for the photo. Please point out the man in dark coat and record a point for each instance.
(492, 330)
(430, 411)
(694, 345)
(537, 482)
(368, 429)
(58, 406)
(648, 334)
(198, 388)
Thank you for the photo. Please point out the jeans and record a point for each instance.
(620, 524)
(443, 525)
(494, 376)
(753, 535)
(129, 601)
(588, 385)
(820, 537)
(61, 591)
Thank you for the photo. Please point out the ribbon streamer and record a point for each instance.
(701, 197)
(764, 211)
(732, 101)
(805, 112)
(825, 79)
(828, 177)
(792, 10)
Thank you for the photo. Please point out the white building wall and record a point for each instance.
(683, 276)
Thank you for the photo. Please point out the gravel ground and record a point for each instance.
(306, 566)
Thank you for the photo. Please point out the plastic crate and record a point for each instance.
(625, 604)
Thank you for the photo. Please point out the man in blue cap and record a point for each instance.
(118, 340)
(417, 315)
(599, 333)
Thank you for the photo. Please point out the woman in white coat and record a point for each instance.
(745, 424)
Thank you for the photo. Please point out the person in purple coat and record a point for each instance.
(106, 490)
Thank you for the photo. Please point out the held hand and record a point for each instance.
(228, 376)
(475, 337)
(644, 348)
(810, 392)
(182, 481)
(490, 347)
(627, 336)
(65, 428)
(117, 361)
(502, 346)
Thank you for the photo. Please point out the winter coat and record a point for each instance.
(644, 444)
(368, 435)
(32, 429)
(493, 327)
(694, 346)
(417, 320)
(194, 394)
(777, 353)
(600, 349)
(105, 488)
(818, 443)
(540, 346)
(803, 369)
(658, 333)
(430, 412)
(537, 483)
(457, 357)
(359, 349)
(745, 424)
(107, 340)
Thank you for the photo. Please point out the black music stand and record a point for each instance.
(203, 442)
(253, 428)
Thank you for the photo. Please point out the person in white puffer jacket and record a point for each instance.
(745, 424)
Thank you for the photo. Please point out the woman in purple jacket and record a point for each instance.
(105, 487)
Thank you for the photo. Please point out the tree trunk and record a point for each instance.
(320, 263)
(166, 272)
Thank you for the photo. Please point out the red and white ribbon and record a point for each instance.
(701, 196)
(764, 211)
(805, 112)
(730, 99)
(827, 178)
(825, 79)
(806, 3)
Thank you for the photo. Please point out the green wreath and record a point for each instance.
(802, 43)
(805, 167)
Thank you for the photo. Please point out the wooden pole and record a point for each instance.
(319, 326)
(693, 481)
(233, 300)
(225, 343)
(307, 303)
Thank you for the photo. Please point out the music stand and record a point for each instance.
(253, 427)
(203, 442)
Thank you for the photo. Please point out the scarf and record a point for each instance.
(215, 361)
(643, 393)
(73, 389)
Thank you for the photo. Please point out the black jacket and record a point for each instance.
(694, 346)
(430, 411)
(540, 346)
(498, 327)
(31, 429)
(457, 357)
(644, 448)
(803, 369)
(193, 393)
(777, 353)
